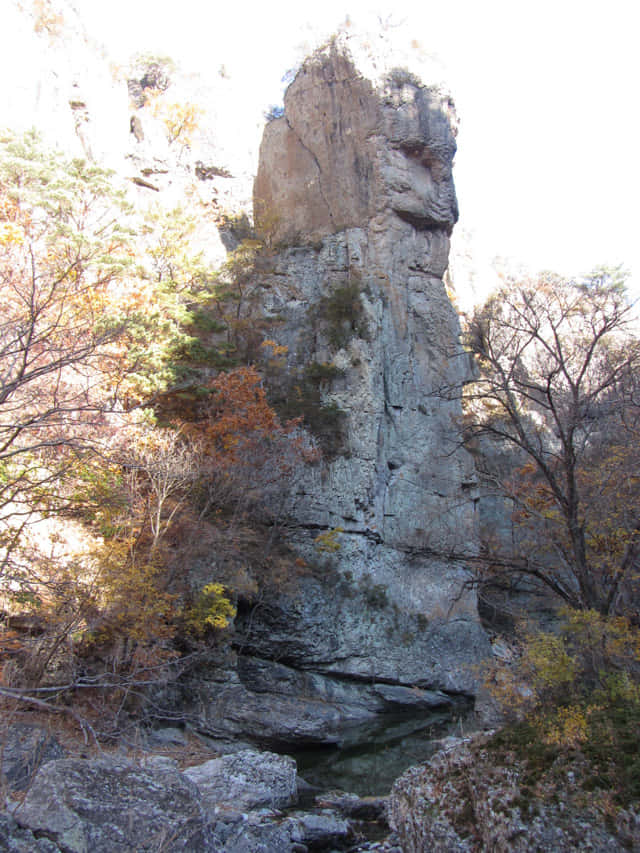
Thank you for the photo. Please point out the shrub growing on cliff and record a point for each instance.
(185, 341)
(211, 610)
(327, 542)
(180, 119)
(302, 394)
(342, 311)
(238, 291)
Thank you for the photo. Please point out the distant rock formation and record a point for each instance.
(65, 85)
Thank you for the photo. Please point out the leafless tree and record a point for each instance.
(557, 389)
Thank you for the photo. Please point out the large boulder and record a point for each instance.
(111, 806)
(464, 799)
(227, 804)
(245, 780)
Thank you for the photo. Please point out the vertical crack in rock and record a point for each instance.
(317, 163)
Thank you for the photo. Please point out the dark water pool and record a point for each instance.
(371, 757)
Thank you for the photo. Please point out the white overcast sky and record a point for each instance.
(547, 169)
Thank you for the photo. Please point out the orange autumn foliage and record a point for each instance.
(248, 456)
(238, 413)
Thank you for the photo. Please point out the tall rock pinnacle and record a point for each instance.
(355, 198)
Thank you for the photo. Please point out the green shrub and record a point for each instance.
(343, 314)
(300, 395)
(321, 372)
(375, 595)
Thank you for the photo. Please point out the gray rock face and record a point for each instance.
(279, 704)
(13, 839)
(357, 176)
(274, 711)
(25, 749)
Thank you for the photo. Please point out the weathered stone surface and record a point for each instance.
(275, 703)
(350, 805)
(250, 834)
(371, 630)
(113, 806)
(346, 151)
(168, 735)
(323, 830)
(411, 697)
(278, 716)
(316, 166)
(245, 780)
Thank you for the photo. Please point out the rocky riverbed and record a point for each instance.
(249, 801)
(253, 801)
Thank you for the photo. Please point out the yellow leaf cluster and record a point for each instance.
(327, 542)
(567, 727)
(11, 234)
(181, 120)
(563, 683)
(212, 610)
(276, 349)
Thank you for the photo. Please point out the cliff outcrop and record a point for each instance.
(354, 198)
(349, 149)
